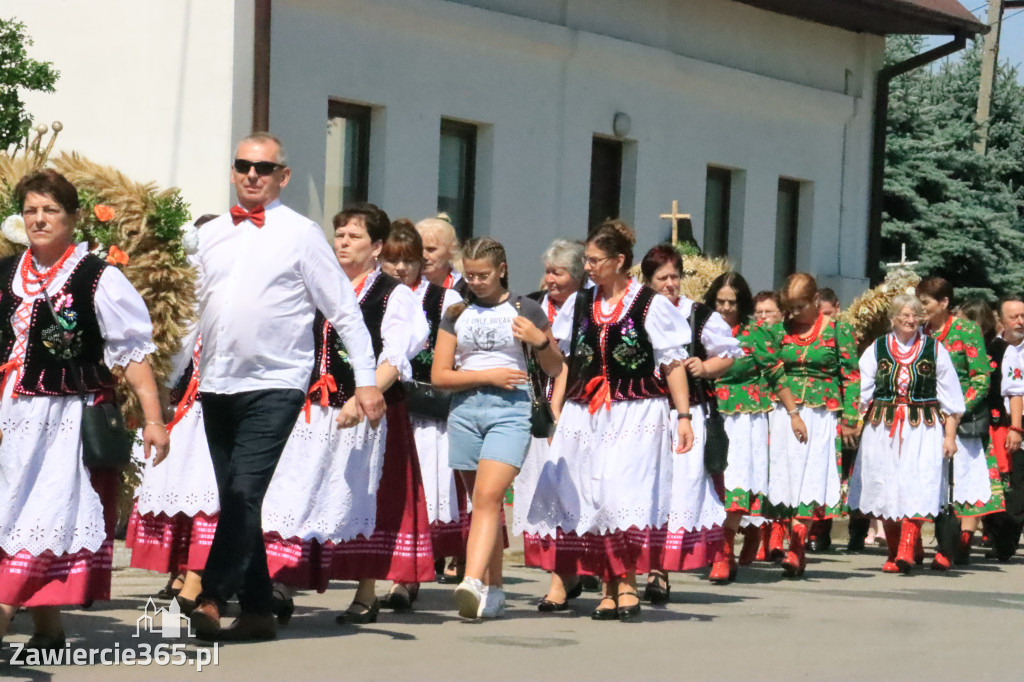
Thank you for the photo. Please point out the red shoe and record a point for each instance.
(892, 540)
(775, 549)
(890, 567)
(796, 561)
(962, 557)
(940, 562)
(909, 532)
(751, 543)
(723, 571)
(762, 547)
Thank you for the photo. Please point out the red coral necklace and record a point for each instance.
(32, 277)
(808, 338)
(905, 357)
(552, 310)
(600, 317)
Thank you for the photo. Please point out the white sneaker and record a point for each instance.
(469, 597)
(493, 603)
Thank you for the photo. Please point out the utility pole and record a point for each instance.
(989, 61)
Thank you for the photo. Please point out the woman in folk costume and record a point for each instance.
(177, 504)
(744, 397)
(56, 516)
(977, 489)
(176, 508)
(608, 484)
(819, 357)
(563, 277)
(447, 510)
(911, 395)
(347, 503)
(696, 504)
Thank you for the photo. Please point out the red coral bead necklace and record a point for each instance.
(30, 276)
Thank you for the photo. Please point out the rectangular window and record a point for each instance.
(346, 178)
(787, 220)
(717, 198)
(456, 178)
(605, 181)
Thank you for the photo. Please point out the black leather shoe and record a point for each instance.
(44, 643)
(656, 592)
(605, 614)
(283, 607)
(590, 583)
(627, 613)
(548, 606)
(576, 590)
(249, 628)
(359, 617)
(187, 606)
(400, 598)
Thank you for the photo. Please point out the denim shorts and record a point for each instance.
(488, 423)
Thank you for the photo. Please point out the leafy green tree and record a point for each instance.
(19, 72)
(959, 212)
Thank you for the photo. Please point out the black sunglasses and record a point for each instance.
(262, 167)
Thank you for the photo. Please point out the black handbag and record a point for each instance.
(106, 444)
(716, 440)
(542, 419)
(947, 525)
(426, 402)
(974, 425)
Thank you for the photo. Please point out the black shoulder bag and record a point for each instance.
(106, 444)
(716, 440)
(542, 419)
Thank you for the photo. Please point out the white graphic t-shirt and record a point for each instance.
(484, 334)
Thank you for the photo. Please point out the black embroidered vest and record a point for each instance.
(626, 358)
(699, 316)
(921, 400)
(46, 370)
(372, 306)
(433, 302)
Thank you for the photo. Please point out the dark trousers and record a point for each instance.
(247, 433)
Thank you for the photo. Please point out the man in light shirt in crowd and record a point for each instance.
(263, 271)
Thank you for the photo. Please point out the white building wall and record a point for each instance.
(542, 89)
(156, 89)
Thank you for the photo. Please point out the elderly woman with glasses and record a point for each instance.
(912, 402)
(563, 276)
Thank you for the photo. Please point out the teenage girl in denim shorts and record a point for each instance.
(480, 355)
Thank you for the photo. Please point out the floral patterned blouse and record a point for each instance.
(822, 371)
(966, 346)
(744, 388)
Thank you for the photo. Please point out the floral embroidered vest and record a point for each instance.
(621, 351)
(46, 369)
(330, 353)
(919, 390)
(433, 301)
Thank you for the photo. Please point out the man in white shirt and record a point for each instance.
(263, 271)
(1004, 528)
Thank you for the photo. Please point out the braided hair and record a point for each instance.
(479, 249)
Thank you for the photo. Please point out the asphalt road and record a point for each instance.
(845, 620)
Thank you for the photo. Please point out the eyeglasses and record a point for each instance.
(243, 166)
(765, 313)
(907, 318)
(591, 261)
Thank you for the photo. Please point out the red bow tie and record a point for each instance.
(256, 215)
